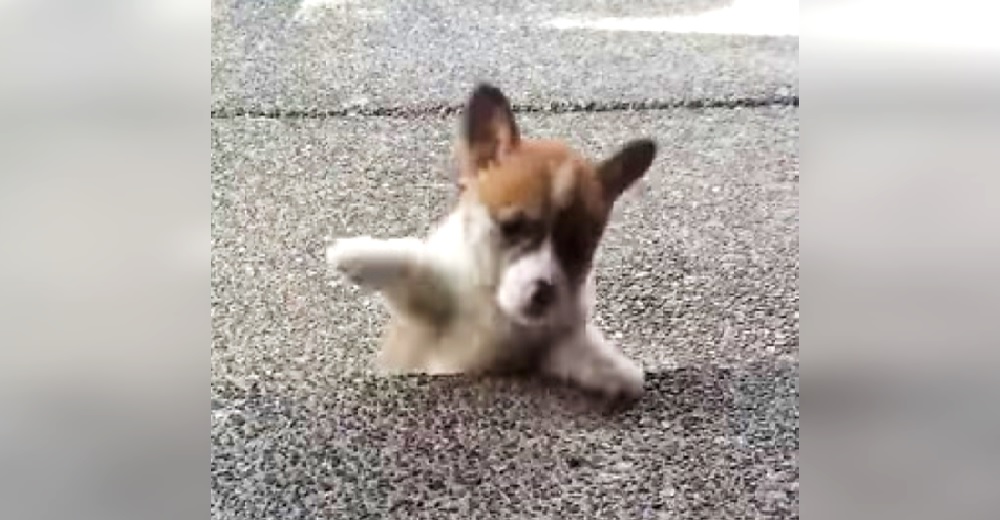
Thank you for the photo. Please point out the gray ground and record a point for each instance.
(698, 275)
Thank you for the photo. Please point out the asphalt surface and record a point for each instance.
(697, 276)
(363, 54)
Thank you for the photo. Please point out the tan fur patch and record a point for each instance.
(538, 179)
(518, 184)
(549, 183)
(541, 189)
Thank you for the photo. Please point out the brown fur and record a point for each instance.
(549, 182)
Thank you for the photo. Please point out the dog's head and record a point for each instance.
(545, 205)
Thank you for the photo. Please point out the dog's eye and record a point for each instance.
(516, 228)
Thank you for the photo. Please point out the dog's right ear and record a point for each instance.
(489, 131)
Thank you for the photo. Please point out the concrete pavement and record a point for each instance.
(363, 54)
(697, 276)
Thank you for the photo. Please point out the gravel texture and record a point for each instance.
(697, 279)
(365, 54)
(351, 116)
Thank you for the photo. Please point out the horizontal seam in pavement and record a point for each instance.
(559, 107)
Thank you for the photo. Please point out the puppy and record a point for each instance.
(504, 283)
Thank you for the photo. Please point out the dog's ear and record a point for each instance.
(488, 130)
(626, 167)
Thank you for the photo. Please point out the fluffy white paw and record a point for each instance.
(625, 381)
(373, 262)
(596, 365)
(356, 257)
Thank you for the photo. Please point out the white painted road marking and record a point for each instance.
(742, 17)
(310, 11)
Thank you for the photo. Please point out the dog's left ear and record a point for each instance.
(489, 130)
(625, 167)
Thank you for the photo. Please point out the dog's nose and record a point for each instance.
(542, 295)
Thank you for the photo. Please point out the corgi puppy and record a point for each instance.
(504, 283)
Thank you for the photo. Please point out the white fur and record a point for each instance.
(455, 271)
(589, 360)
(518, 280)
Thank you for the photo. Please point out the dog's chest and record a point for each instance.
(476, 337)
(470, 341)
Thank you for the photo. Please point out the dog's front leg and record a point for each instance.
(400, 269)
(374, 263)
(587, 359)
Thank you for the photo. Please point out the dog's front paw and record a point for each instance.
(354, 257)
(373, 262)
(589, 361)
(625, 381)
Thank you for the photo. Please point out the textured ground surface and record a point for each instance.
(364, 54)
(698, 274)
